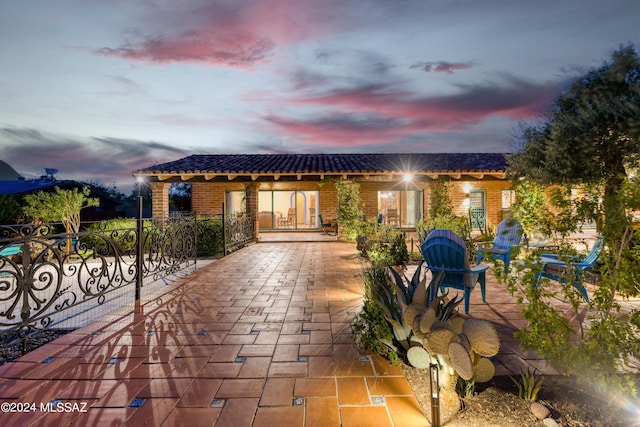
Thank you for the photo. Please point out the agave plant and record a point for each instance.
(529, 385)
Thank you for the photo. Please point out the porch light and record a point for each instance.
(407, 177)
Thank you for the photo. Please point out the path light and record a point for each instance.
(434, 385)
(140, 243)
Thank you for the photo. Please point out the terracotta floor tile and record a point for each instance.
(321, 366)
(286, 353)
(220, 370)
(237, 412)
(226, 353)
(317, 387)
(152, 412)
(187, 367)
(239, 339)
(291, 328)
(322, 412)
(200, 393)
(277, 392)
(104, 417)
(353, 391)
(255, 367)
(122, 394)
(320, 337)
(192, 417)
(406, 412)
(16, 388)
(165, 387)
(389, 386)
(257, 350)
(278, 416)
(92, 389)
(56, 419)
(233, 388)
(345, 352)
(150, 370)
(288, 369)
(49, 391)
(197, 351)
(354, 368)
(294, 339)
(118, 370)
(316, 350)
(384, 368)
(365, 416)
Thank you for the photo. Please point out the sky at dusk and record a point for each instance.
(99, 88)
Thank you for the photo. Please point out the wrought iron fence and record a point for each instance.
(50, 280)
(238, 229)
(53, 280)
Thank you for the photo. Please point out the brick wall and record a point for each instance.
(208, 197)
(159, 199)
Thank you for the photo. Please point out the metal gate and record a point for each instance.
(477, 210)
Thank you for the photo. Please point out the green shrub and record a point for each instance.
(210, 240)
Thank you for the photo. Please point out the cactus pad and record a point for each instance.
(428, 318)
(439, 340)
(482, 336)
(460, 360)
(418, 357)
(410, 312)
(484, 370)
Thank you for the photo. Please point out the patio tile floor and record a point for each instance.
(259, 338)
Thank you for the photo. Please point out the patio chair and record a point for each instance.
(327, 227)
(555, 269)
(392, 217)
(505, 244)
(443, 250)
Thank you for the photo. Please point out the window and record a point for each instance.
(236, 202)
(400, 208)
(288, 210)
(508, 197)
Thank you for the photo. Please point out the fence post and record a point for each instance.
(224, 232)
(140, 254)
(195, 241)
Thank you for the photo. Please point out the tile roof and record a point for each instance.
(331, 163)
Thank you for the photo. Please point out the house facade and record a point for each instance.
(289, 192)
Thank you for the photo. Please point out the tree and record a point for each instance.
(349, 213)
(9, 209)
(592, 136)
(590, 142)
(61, 205)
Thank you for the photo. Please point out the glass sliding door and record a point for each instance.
(402, 209)
(288, 210)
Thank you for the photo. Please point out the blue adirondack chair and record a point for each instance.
(445, 251)
(556, 269)
(504, 245)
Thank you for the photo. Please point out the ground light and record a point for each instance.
(434, 385)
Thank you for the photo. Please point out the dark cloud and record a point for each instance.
(103, 159)
(441, 66)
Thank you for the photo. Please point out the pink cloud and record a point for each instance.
(378, 114)
(238, 50)
(237, 35)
